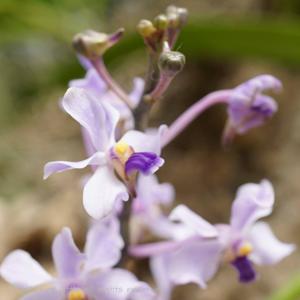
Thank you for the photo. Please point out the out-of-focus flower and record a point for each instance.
(198, 248)
(136, 152)
(147, 208)
(93, 84)
(249, 107)
(80, 276)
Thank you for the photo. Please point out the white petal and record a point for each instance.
(185, 215)
(145, 142)
(49, 294)
(253, 201)
(104, 244)
(136, 93)
(158, 266)
(99, 119)
(21, 270)
(102, 191)
(96, 159)
(67, 257)
(268, 249)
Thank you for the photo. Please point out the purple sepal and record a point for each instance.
(145, 162)
(245, 269)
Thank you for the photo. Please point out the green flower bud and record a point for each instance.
(92, 44)
(171, 62)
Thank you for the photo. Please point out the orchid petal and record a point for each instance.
(268, 250)
(103, 245)
(67, 257)
(50, 168)
(150, 191)
(99, 119)
(144, 162)
(160, 274)
(117, 284)
(201, 227)
(48, 294)
(91, 83)
(145, 142)
(21, 270)
(102, 191)
(196, 261)
(137, 92)
(252, 202)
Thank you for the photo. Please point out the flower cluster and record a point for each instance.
(124, 198)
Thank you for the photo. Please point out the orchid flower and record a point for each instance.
(95, 85)
(147, 213)
(198, 248)
(249, 107)
(117, 164)
(80, 276)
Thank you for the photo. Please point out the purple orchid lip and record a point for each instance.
(145, 162)
(245, 269)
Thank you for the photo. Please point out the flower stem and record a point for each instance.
(194, 111)
(102, 71)
(161, 87)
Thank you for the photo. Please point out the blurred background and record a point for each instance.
(225, 43)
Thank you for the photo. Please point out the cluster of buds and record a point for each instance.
(164, 27)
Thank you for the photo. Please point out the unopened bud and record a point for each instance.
(93, 44)
(161, 22)
(146, 28)
(177, 16)
(171, 62)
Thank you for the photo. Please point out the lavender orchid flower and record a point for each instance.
(81, 276)
(198, 248)
(136, 152)
(248, 107)
(95, 85)
(147, 214)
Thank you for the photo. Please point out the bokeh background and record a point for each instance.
(225, 42)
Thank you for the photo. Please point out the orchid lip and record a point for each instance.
(245, 269)
(145, 162)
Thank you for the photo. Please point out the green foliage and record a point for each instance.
(290, 291)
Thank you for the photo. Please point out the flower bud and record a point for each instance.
(93, 44)
(146, 28)
(161, 22)
(177, 16)
(171, 62)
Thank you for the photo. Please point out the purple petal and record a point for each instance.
(49, 294)
(67, 257)
(252, 202)
(196, 223)
(102, 191)
(144, 162)
(21, 270)
(99, 119)
(260, 84)
(104, 244)
(145, 142)
(268, 250)
(245, 269)
(99, 158)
